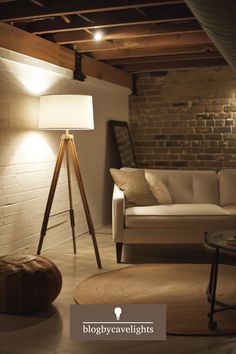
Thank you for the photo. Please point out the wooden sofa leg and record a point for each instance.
(118, 251)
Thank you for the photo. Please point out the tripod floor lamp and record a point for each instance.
(67, 112)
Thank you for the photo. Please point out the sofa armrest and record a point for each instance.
(118, 212)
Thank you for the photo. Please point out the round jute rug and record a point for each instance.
(182, 287)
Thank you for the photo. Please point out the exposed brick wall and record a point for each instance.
(185, 119)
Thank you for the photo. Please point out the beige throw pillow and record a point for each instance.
(158, 188)
(135, 187)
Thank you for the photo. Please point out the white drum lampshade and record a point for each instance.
(66, 112)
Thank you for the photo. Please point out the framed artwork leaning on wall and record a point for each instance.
(123, 143)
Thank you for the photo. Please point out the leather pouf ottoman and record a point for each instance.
(28, 284)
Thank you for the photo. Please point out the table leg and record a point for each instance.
(209, 287)
(212, 289)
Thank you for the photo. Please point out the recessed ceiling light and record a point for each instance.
(98, 36)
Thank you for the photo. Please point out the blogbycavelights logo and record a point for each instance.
(120, 322)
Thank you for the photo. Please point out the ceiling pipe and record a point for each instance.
(218, 19)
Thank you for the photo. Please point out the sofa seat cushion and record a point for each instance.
(183, 216)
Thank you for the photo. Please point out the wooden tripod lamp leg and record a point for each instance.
(72, 215)
(84, 199)
(57, 169)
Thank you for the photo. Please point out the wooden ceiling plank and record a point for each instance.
(164, 58)
(146, 52)
(62, 38)
(169, 13)
(17, 40)
(22, 10)
(145, 30)
(165, 66)
(153, 42)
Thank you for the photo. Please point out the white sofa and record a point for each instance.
(203, 201)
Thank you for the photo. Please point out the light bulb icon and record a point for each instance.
(118, 312)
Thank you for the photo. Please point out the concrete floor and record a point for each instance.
(44, 334)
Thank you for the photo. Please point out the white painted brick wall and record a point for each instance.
(27, 155)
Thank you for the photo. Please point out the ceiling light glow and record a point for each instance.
(98, 36)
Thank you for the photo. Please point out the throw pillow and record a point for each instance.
(158, 188)
(135, 187)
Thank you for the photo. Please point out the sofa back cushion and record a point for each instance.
(227, 187)
(190, 187)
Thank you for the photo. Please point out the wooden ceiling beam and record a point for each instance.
(106, 72)
(17, 40)
(173, 65)
(144, 30)
(166, 58)
(23, 10)
(157, 41)
(167, 13)
(147, 52)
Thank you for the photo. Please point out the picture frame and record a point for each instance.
(123, 143)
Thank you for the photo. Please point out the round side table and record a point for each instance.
(221, 242)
